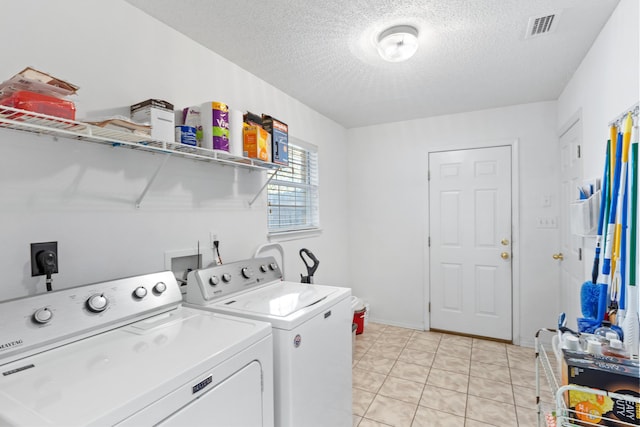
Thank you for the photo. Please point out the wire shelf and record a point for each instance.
(571, 417)
(561, 415)
(16, 119)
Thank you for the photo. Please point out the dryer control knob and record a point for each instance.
(214, 280)
(273, 266)
(140, 292)
(247, 273)
(264, 268)
(42, 315)
(97, 303)
(160, 287)
(226, 277)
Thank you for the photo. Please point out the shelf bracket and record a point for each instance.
(153, 178)
(273, 175)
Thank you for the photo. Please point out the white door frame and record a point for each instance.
(515, 225)
(574, 120)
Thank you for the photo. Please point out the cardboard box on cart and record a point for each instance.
(623, 378)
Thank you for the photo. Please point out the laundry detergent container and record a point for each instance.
(359, 313)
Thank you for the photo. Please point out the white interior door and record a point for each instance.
(470, 241)
(570, 263)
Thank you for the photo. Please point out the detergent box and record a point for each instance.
(279, 139)
(620, 378)
(255, 142)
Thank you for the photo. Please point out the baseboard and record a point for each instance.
(418, 327)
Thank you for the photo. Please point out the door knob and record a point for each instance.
(504, 255)
(504, 242)
(558, 256)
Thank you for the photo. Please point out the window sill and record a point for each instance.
(282, 236)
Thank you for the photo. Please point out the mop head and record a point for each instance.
(589, 296)
(587, 326)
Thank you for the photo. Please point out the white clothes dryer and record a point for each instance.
(127, 353)
(311, 335)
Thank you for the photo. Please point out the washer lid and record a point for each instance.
(281, 299)
(103, 379)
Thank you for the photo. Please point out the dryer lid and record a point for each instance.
(103, 379)
(281, 299)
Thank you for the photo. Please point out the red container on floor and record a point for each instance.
(358, 319)
(39, 103)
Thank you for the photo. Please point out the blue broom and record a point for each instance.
(611, 181)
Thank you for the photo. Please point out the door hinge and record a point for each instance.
(429, 307)
(579, 152)
(579, 254)
(429, 175)
(429, 241)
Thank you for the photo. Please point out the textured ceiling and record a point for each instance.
(472, 55)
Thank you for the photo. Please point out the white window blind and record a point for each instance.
(293, 194)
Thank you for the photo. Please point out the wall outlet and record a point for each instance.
(547, 222)
(38, 267)
(213, 236)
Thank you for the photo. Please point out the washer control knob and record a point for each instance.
(160, 287)
(246, 272)
(226, 277)
(42, 315)
(140, 292)
(273, 266)
(97, 303)
(214, 280)
(264, 268)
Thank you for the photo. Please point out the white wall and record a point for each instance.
(388, 187)
(606, 84)
(388, 206)
(83, 195)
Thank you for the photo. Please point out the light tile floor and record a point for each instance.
(403, 377)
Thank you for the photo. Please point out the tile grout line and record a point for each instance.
(438, 351)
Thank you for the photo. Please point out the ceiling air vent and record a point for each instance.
(540, 25)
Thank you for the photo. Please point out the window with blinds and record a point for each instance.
(293, 194)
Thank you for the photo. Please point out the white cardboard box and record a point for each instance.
(159, 115)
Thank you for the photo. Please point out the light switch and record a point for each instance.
(547, 222)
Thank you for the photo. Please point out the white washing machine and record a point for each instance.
(311, 335)
(127, 353)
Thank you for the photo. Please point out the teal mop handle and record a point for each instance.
(603, 205)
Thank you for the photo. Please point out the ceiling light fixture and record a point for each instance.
(398, 43)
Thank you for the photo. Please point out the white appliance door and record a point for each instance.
(235, 402)
(313, 370)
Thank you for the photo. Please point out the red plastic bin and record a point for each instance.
(39, 103)
(358, 319)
